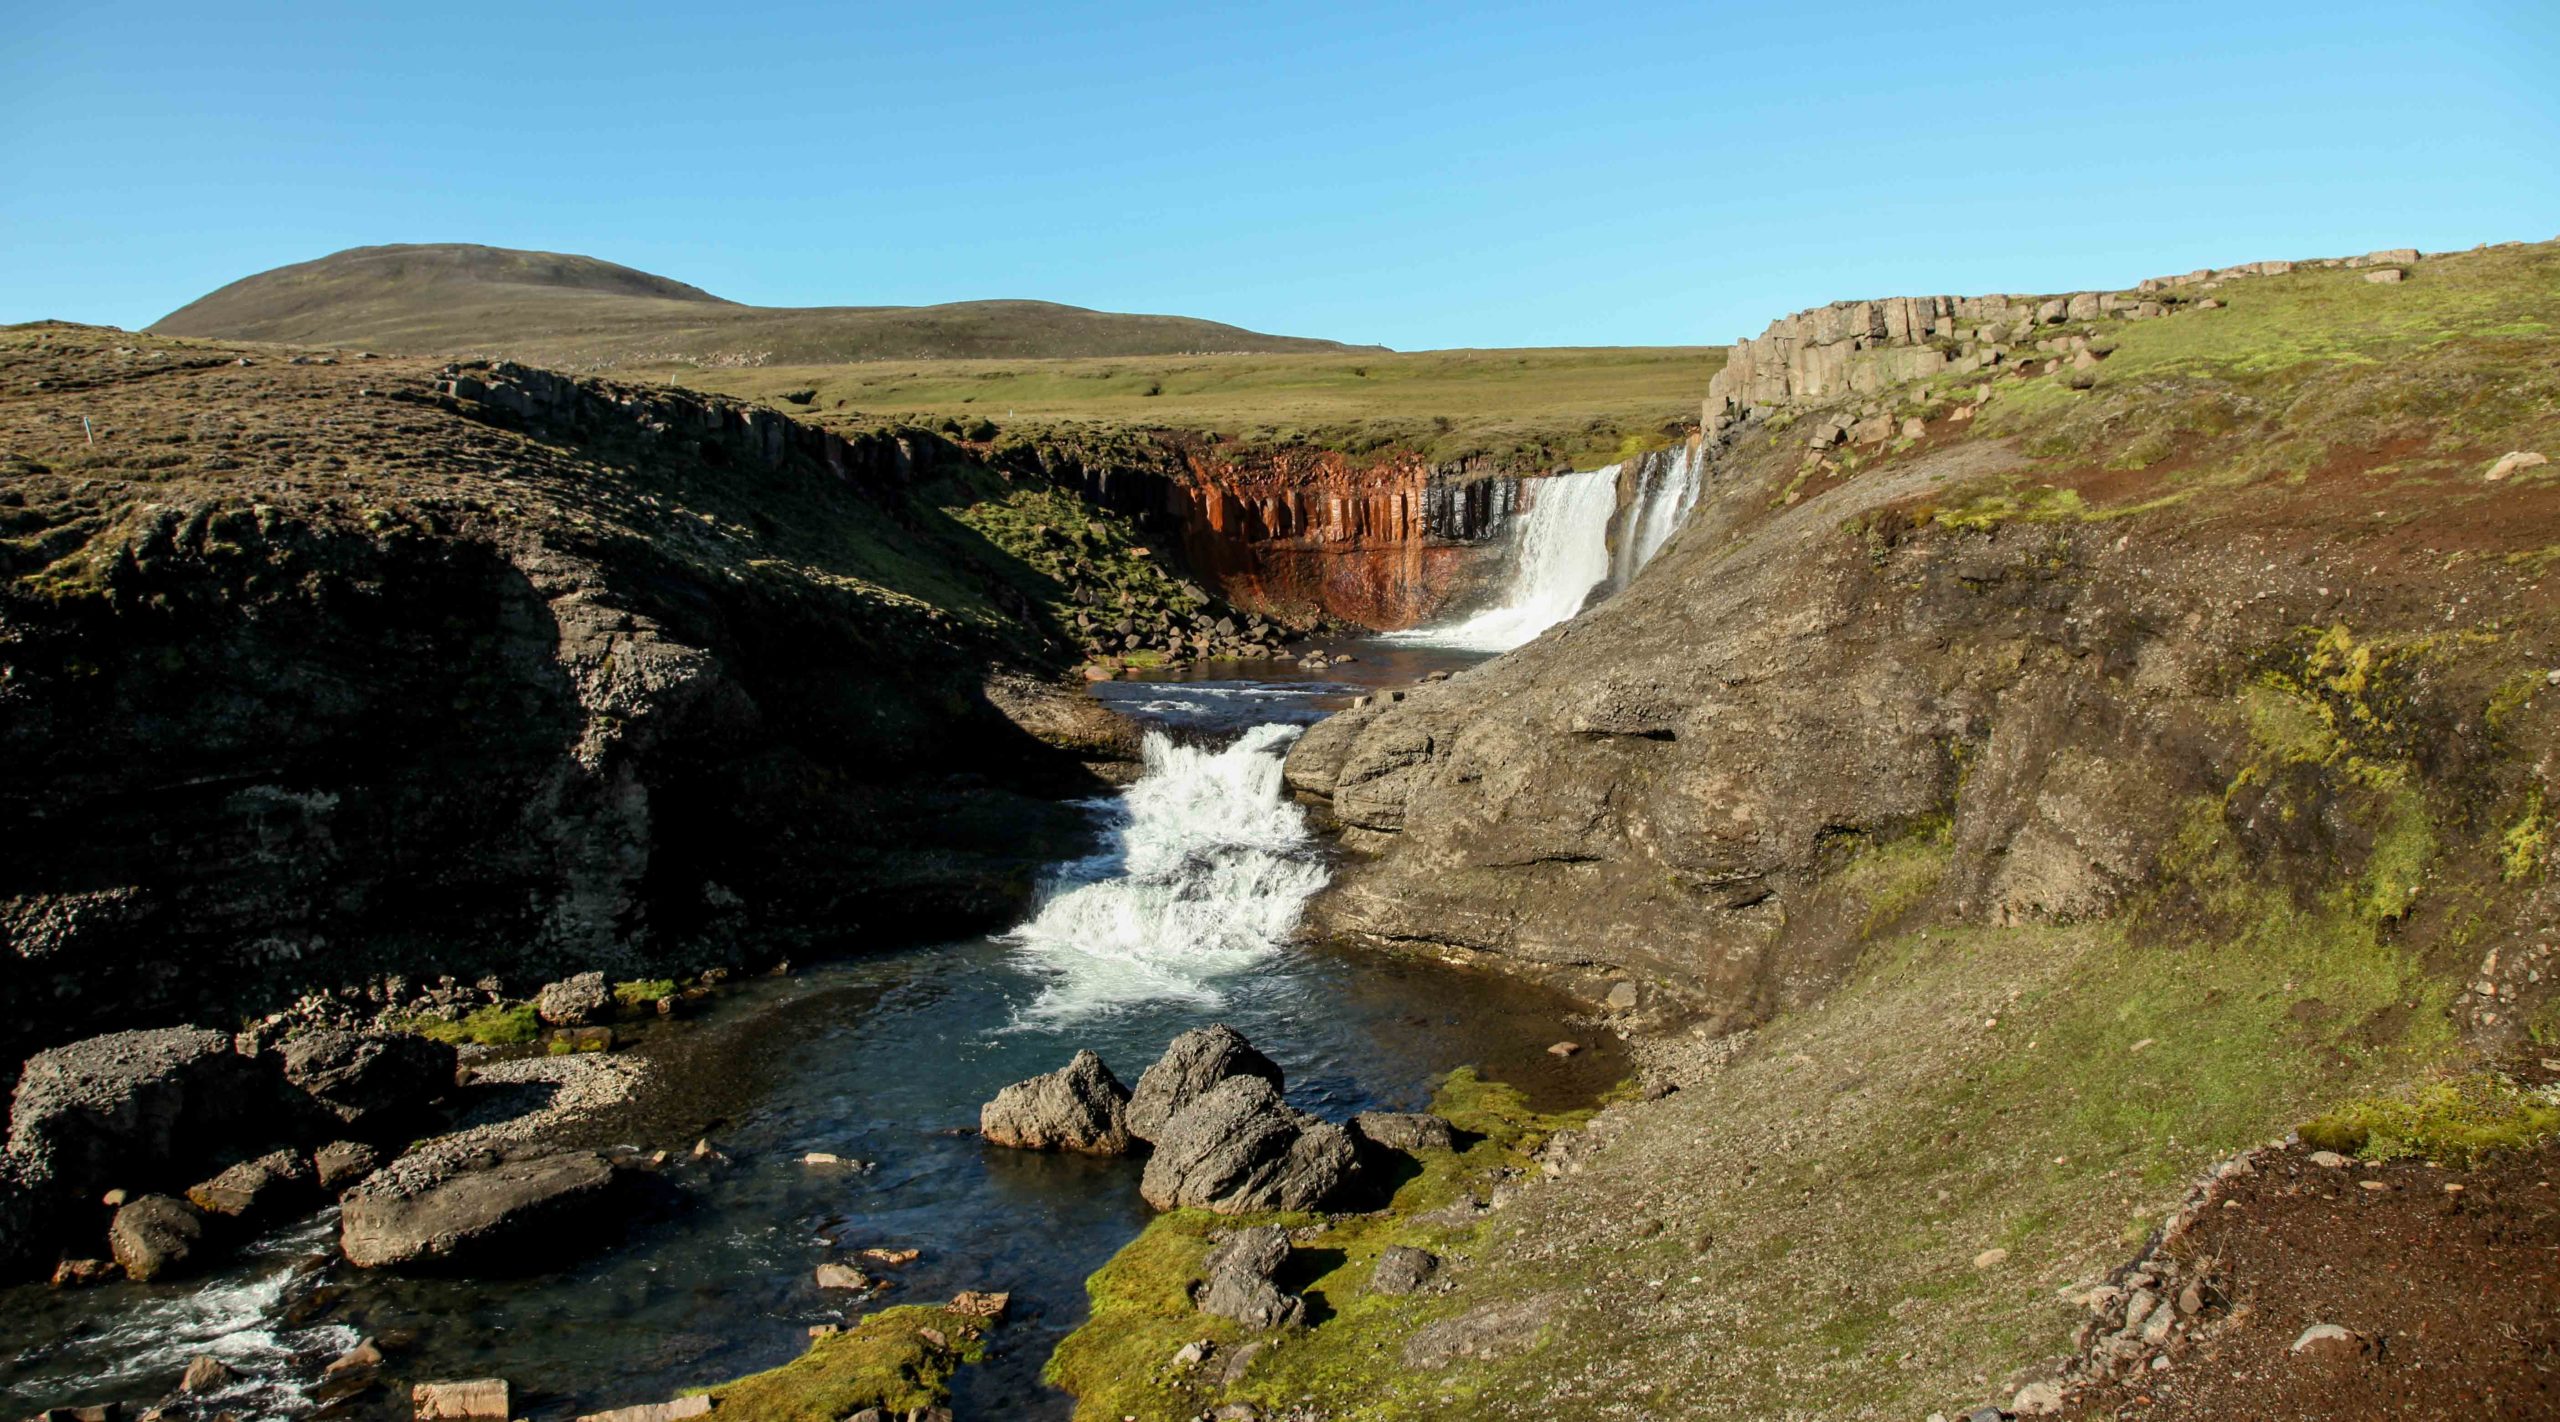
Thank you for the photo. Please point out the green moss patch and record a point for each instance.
(643, 992)
(1120, 1363)
(2453, 1121)
(898, 1359)
(497, 1025)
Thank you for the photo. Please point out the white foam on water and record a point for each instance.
(1205, 872)
(235, 1317)
(1563, 553)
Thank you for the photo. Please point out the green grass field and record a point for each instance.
(1570, 403)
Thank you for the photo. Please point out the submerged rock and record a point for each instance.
(1080, 1107)
(507, 1215)
(1236, 1280)
(1240, 1148)
(1197, 1061)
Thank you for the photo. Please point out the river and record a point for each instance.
(1183, 916)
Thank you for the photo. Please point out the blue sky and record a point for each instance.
(1418, 175)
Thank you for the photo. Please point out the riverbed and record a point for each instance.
(1182, 916)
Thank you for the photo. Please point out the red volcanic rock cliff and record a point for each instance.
(1300, 534)
(1297, 534)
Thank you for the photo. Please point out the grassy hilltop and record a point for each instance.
(581, 314)
(1577, 404)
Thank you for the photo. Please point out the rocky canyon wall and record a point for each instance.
(1941, 674)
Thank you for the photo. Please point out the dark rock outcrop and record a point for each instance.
(501, 1215)
(1407, 1131)
(1195, 1062)
(134, 1108)
(579, 1000)
(273, 1187)
(1080, 1107)
(490, 671)
(1402, 1269)
(1239, 1148)
(343, 1163)
(374, 1082)
(156, 1237)
(1236, 1280)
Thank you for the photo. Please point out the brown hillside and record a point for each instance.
(581, 313)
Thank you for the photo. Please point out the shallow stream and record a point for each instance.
(1179, 919)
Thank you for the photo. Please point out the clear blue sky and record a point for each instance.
(1416, 175)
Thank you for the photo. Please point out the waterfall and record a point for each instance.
(1205, 870)
(1562, 554)
(1666, 491)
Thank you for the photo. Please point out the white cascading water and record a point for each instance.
(1563, 554)
(1206, 871)
(1661, 506)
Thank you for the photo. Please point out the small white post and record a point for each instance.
(86, 429)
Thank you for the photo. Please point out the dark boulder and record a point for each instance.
(343, 1163)
(1236, 1280)
(156, 1237)
(493, 1214)
(580, 1001)
(29, 1231)
(1196, 1061)
(139, 1107)
(275, 1186)
(1240, 1148)
(373, 1082)
(1080, 1107)
(1409, 1131)
(1402, 1269)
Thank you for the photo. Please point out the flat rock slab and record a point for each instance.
(475, 1400)
(512, 1214)
(676, 1411)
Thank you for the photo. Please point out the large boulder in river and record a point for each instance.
(374, 1082)
(1196, 1061)
(1240, 1148)
(139, 1107)
(503, 1214)
(1080, 1107)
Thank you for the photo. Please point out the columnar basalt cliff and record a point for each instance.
(1862, 347)
(319, 670)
